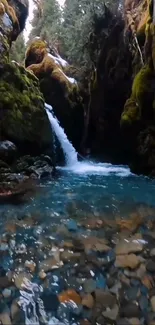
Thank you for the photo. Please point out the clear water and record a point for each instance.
(87, 189)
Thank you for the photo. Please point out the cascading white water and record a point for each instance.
(69, 151)
(84, 167)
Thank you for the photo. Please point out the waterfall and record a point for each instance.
(69, 151)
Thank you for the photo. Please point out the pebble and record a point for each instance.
(105, 298)
(128, 246)
(72, 225)
(88, 301)
(5, 319)
(152, 252)
(20, 278)
(42, 275)
(150, 266)
(131, 261)
(89, 285)
(134, 321)
(6, 293)
(69, 256)
(30, 265)
(153, 303)
(69, 295)
(111, 313)
(95, 244)
(130, 310)
(49, 264)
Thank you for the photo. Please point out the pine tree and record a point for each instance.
(17, 52)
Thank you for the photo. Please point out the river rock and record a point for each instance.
(95, 244)
(150, 266)
(131, 261)
(128, 246)
(49, 264)
(134, 321)
(5, 318)
(153, 303)
(130, 310)
(152, 252)
(111, 313)
(88, 301)
(89, 285)
(20, 278)
(105, 298)
(68, 256)
(8, 151)
(6, 293)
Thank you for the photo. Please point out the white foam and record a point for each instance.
(88, 167)
(69, 151)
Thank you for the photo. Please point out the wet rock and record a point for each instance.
(122, 321)
(153, 303)
(150, 266)
(50, 300)
(111, 313)
(147, 281)
(8, 151)
(85, 322)
(20, 278)
(68, 256)
(49, 264)
(6, 293)
(152, 252)
(134, 321)
(101, 281)
(110, 282)
(72, 225)
(5, 318)
(95, 244)
(128, 246)
(42, 275)
(143, 303)
(105, 298)
(70, 295)
(141, 271)
(115, 289)
(130, 310)
(89, 286)
(30, 265)
(5, 282)
(88, 301)
(132, 293)
(131, 261)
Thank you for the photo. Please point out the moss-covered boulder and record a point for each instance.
(23, 118)
(59, 89)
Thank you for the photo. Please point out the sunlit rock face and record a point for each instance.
(60, 90)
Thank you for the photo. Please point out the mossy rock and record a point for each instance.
(23, 118)
(131, 112)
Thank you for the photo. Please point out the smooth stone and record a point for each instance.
(105, 298)
(5, 282)
(95, 244)
(153, 303)
(128, 246)
(51, 301)
(122, 321)
(143, 303)
(6, 293)
(50, 263)
(88, 301)
(134, 321)
(5, 319)
(132, 293)
(123, 261)
(115, 289)
(130, 310)
(20, 278)
(67, 256)
(89, 286)
(144, 290)
(110, 282)
(72, 225)
(152, 252)
(150, 266)
(101, 282)
(111, 313)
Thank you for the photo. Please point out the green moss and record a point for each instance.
(131, 112)
(141, 85)
(22, 107)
